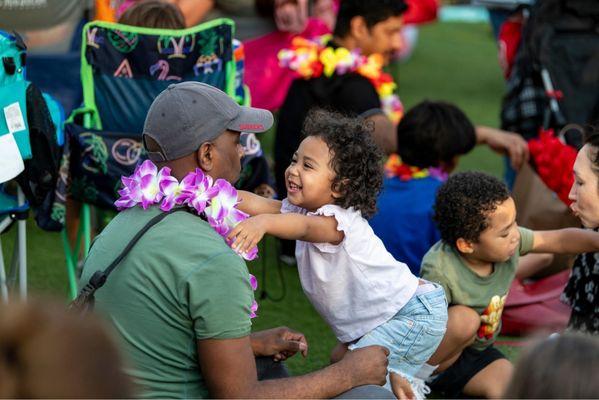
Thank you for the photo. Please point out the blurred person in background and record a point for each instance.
(559, 367)
(47, 352)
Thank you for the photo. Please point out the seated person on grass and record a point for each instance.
(362, 292)
(475, 262)
(430, 139)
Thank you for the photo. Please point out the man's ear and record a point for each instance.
(358, 27)
(205, 155)
(464, 246)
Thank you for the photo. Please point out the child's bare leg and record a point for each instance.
(338, 352)
(462, 324)
(491, 382)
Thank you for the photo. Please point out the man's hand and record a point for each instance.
(504, 142)
(401, 387)
(246, 235)
(280, 343)
(366, 365)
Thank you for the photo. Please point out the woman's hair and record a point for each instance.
(463, 205)
(355, 158)
(153, 14)
(562, 367)
(432, 132)
(47, 352)
(591, 137)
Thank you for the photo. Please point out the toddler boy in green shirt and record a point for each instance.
(475, 262)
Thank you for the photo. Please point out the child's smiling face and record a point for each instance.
(500, 241)
(309, 176)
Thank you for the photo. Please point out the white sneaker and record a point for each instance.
(420, 388)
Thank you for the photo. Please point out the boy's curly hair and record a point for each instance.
(463, 204)
(355, 158)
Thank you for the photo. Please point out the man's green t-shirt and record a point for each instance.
(485, 294)
(178, 284)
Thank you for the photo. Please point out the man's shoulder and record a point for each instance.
(179, 235)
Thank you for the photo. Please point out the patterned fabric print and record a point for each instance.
(198, 56)
(582, 293)
(524, 105)
(490, 319)
(98, 160)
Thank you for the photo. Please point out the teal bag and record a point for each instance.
(13, 87)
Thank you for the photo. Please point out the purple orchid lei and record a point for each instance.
(216, 200)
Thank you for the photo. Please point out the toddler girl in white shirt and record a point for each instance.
(364, 294)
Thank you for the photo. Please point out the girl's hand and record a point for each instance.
(246, 235)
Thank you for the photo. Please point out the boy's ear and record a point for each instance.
(464, 246)
(205, 155)
(358, 27)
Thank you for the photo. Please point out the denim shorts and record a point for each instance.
(413, 334)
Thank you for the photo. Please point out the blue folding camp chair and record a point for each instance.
(123, 68)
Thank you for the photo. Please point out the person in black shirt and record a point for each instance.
(372, 27)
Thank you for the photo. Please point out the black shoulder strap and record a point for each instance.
(98, 279)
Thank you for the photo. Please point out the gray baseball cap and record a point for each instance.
(187, 114)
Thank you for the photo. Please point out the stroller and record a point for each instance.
(555, 79)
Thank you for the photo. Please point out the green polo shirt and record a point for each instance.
(485, 294)
(178, 284)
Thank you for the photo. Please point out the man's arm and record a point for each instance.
(229, 370)
(292, 226)
(254, 204)
(384, 132)
(565, 241)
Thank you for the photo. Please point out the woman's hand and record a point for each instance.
(246, 235)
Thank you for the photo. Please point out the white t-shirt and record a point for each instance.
(356, 285)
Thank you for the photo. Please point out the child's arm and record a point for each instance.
(253, 204)
(565, 241)
(313, 228)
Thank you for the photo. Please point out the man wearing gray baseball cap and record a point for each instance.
(180, 298)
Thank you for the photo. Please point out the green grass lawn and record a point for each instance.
(452, 62)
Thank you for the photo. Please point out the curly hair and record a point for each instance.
(355, 158)
(463, 204)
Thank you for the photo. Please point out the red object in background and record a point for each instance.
(268, 82)
(553, 161)
(508, 41)
(421, 11)
(536, 306)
